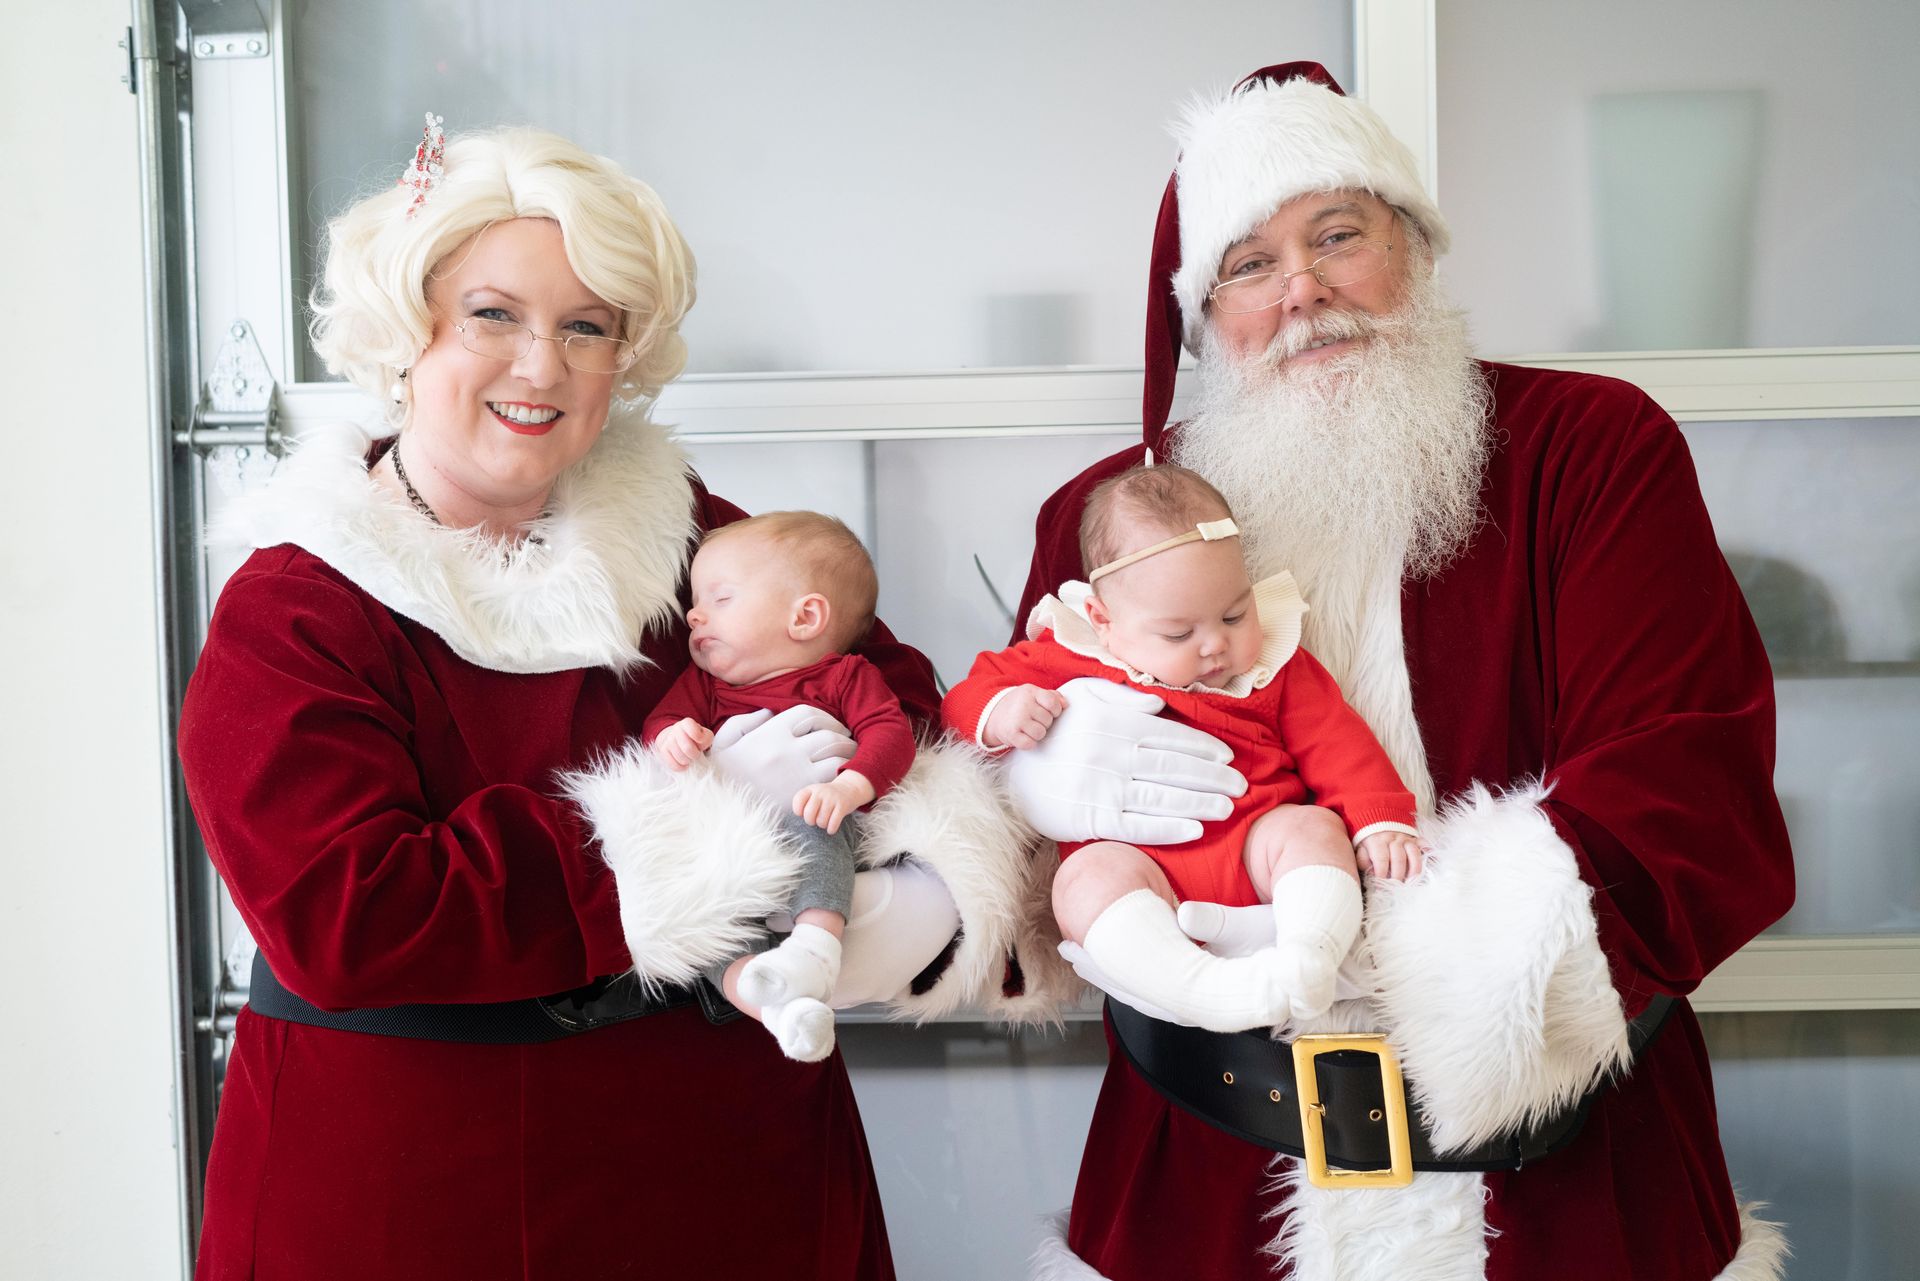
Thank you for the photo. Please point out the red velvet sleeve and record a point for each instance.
(296, 744)
(1056, 534)
(906, 670)
(882, 735)
(1661, 716)
(1336, 754)
(687, 696)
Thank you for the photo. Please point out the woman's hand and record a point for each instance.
(1111, 769)
(781, 753)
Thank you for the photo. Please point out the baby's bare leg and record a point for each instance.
(1301, 861)
(1094, 878)
(1287, 837)
(1116, 903)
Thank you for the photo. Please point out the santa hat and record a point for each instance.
(1287, 130)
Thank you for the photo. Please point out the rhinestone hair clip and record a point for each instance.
(423, 175)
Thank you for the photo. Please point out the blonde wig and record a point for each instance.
(370, 316)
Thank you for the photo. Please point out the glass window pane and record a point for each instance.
(1818, 521)
(1629, 175)
(1818, 1113)
(866, 185)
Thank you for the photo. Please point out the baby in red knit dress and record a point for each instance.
(778, 599)
(1169, 608)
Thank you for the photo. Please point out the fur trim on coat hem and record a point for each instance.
(1762, 1255)
(1053, 1261)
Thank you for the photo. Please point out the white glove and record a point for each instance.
(1238, 931)
(1089, 970)
(1227, 931)
(1112, 769)
(781, 753)
(902, 917)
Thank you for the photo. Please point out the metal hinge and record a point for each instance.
(226, 28)
(240, 403)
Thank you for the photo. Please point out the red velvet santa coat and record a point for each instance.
(374, 743)
(1591, 639)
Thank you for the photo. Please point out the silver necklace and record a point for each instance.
(413, 495)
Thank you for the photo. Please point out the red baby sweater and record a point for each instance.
(842, 685)
(1295, 739)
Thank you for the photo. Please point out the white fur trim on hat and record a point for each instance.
(1245, 155)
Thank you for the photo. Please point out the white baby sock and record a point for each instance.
(806, 964)
(1316, 917)
(802, 1026)
(1137, 942)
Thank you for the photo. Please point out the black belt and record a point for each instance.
(1337, 1101)
(599, 1004)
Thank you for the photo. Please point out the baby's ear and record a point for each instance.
(1097, 615)
(811, 614)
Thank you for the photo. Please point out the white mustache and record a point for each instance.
(1329, 326)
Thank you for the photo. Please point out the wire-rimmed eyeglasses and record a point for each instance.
(509, 340)
(1348, 265)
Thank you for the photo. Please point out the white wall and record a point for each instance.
(87, 1185)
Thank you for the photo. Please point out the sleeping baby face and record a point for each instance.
(1184, 616)
(752, 615)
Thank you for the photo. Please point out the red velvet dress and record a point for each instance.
(386, 815)
(1592, 635)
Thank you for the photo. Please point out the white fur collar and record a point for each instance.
(605, 570)
(1277, 598)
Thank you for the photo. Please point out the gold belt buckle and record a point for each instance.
(1399, 1173)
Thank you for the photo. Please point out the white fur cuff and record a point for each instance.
(951, 814)
(698, 860)
(1490, 972)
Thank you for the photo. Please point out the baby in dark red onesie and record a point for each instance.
(777, 601)
(1169, 609)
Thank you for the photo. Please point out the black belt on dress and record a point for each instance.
(1337, 1101)
(599, 1004)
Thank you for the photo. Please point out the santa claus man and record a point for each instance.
(1513, 577)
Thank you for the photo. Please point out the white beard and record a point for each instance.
(1353, 473)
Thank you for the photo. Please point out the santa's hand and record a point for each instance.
(1112, 769)
(1227, 931)
(780, 753)
(1089, 969)
(1242, 931)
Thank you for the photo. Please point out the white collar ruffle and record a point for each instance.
(1277, 599)
(602, 569)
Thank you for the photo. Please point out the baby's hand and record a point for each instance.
(682, 743)
(828, 804)
(1394, 855)
(1022, 717)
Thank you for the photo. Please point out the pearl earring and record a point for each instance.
(398, 392)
